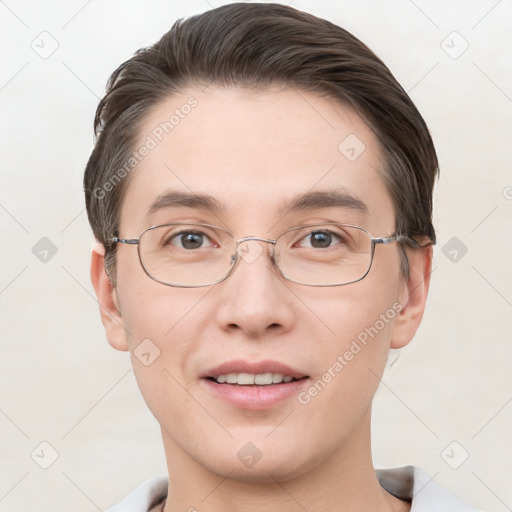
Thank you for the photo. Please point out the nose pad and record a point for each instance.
(250, 250)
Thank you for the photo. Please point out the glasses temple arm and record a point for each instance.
(403, 239)
(117, 240)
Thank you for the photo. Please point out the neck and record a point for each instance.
(344, 481)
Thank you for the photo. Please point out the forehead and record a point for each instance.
(254, 152)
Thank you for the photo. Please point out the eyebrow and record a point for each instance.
(325, 199)
(302, 202)
(173, 199)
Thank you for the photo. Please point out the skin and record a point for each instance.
(252, 150)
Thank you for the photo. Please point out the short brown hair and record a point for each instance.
(261, 45)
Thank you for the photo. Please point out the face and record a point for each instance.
(253, 154)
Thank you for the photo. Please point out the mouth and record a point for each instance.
(251, 379)
(254, 385)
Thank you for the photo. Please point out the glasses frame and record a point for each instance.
(235, 258)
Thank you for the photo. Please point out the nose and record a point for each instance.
(255, 298)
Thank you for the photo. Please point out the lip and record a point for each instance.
(241, 366)
(254, 397)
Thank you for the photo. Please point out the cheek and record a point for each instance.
(150, 309)
(361, 333)
(165, 318)
(163, 338)
(359, 311)
(348, 370)
(163, 326)
(359, 320)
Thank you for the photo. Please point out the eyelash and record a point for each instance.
(179, 236)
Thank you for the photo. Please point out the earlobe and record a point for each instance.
(108, 301)
(415, 291)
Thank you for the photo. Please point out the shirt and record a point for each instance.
(408, 483)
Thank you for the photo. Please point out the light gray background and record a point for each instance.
(62, 384)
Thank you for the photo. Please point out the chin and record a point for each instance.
(262, 472)
(251, 465)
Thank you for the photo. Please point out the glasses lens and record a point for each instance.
(324, 255)
(186, 254)
(190, 255)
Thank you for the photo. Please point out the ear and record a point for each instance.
(413, 296)
(106, 295)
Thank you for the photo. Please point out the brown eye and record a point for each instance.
(189, 240)
(320, 240)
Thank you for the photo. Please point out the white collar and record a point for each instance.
(408, 483)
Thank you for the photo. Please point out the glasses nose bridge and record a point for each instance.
(255, 238)
(250, 255)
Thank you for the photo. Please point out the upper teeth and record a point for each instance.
(248, 379)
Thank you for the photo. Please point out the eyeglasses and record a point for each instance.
(193, 255)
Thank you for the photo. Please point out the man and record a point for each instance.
(261, 194)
